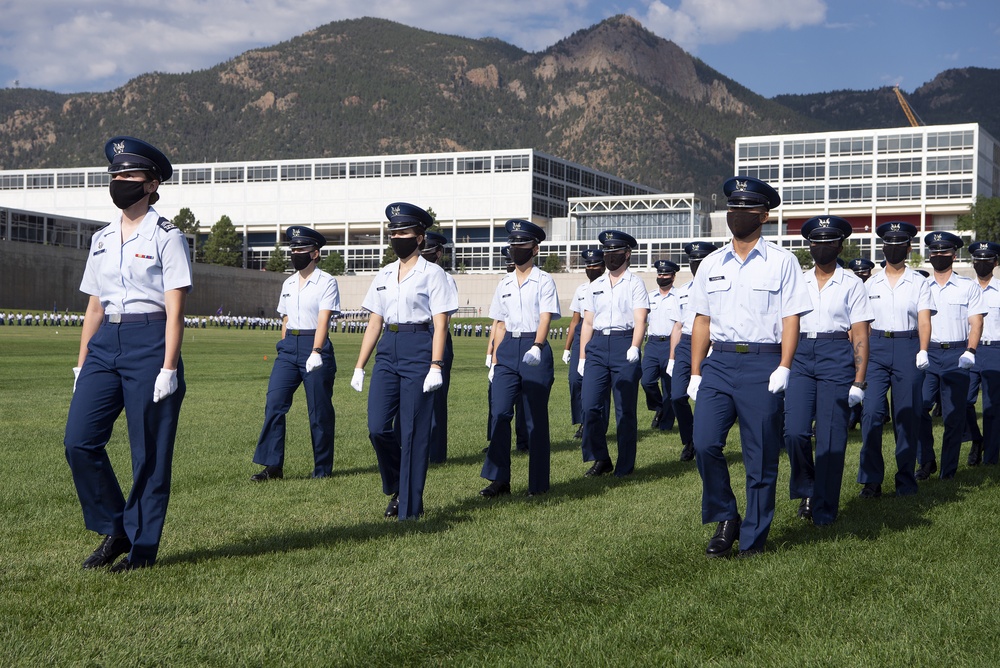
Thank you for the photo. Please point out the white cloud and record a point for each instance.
(696, 22)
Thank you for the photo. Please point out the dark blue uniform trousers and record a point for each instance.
(402, 361)
(818, 387)
(608, 373)
(575, 379)
(439, 422)
(120, 372)
(988, 365)
(972, 431)
(520, 428)
(516, 383)
(655, 381)
(891, 364)
(944, 376)
(735, 385)
(288, 372)
(678, 389)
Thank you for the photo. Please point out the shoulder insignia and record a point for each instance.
(165, 224)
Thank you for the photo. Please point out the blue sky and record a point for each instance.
(769, 46)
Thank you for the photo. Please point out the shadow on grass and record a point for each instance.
(869, 519)
(438, 520)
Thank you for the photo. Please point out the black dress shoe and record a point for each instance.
(657, 416)
(925, 471)
(600, 468)
(579, 432)
(495, 488)
(871, 490)
(806, 509)
(125, 565)
(392, 510)
(687, 454)
(269, 473)
(723, 539)
(976, 453)
(110, 549)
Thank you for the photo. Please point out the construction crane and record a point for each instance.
(914, 120)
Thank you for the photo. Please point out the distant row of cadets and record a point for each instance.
(755, 342)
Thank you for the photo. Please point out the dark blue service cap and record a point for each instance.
(592, 256)
(615, 240)
(984, 250)
(666, 267)
(826, 228)
(746, 192)
(128, 154)
(402, 215)
(696, 250)
(860, 264)
(841, 263)
(923, 272)
(896, 231)
(937, 241)
(523, 232)
(303, 237)
(505, 251)
(435, 239)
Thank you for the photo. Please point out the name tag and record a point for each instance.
(598, 292)
(874, 296)
(716, 278)
(505, 296)
(380, 289)
(287, 294)
(100, 251)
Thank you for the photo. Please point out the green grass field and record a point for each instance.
(597, 572)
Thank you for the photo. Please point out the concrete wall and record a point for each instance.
(37, 277)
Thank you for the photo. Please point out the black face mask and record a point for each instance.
(942, 262)
(664, 282)
(126, 193)
(521, 255)
(824, 253)
(983, 267)
(694, 266)
(895, 253)
(301, 260)
(511, 267)
(742, 223)
(403, 247)
(863, 275)
(614, 261)
(430, 255)
(594, 274)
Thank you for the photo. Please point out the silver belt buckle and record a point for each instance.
(515, 335)
(810, 335)
(606, 332)
(987, 342)
(115, 318)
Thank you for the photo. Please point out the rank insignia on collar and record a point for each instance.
(741, 185)
(394, 211)
(100, 244)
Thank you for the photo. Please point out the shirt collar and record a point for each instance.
(760, 248)
(147, 228)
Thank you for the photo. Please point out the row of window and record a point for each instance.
(884, 192)
(858, 169)
(817, 147)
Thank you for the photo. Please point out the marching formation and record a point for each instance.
(793, 359)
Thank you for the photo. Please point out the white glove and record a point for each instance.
(632, 355)
(670, 367)
(967, 360)
(855, 396)
(922, 361)
(434, 380)
(489, 376)
(580, 365)
(314, 361)
(358, 380)
(693, 386)
(76, 377)
(165, 385)
(566, 355)
(533, 357)
(779, 380)
(489, 361)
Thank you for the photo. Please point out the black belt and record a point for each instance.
(614, 332)
(408, 327)
(946, 345)
(883, 334)
(300, 332)
(115, 318)
(655, 337)
(521, 335)
(727, 347)
(822, 335)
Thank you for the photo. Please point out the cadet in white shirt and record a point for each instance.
(593, 260)
(664, 319)
(955, 332)
(986, 374)
(404, 299)
(309, 298)
(748, 297)
(828, 373)
(138, 275)
(614, 323)
(902, 305)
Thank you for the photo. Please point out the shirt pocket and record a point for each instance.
(958, 309)
(718, 291)
(764, 294)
